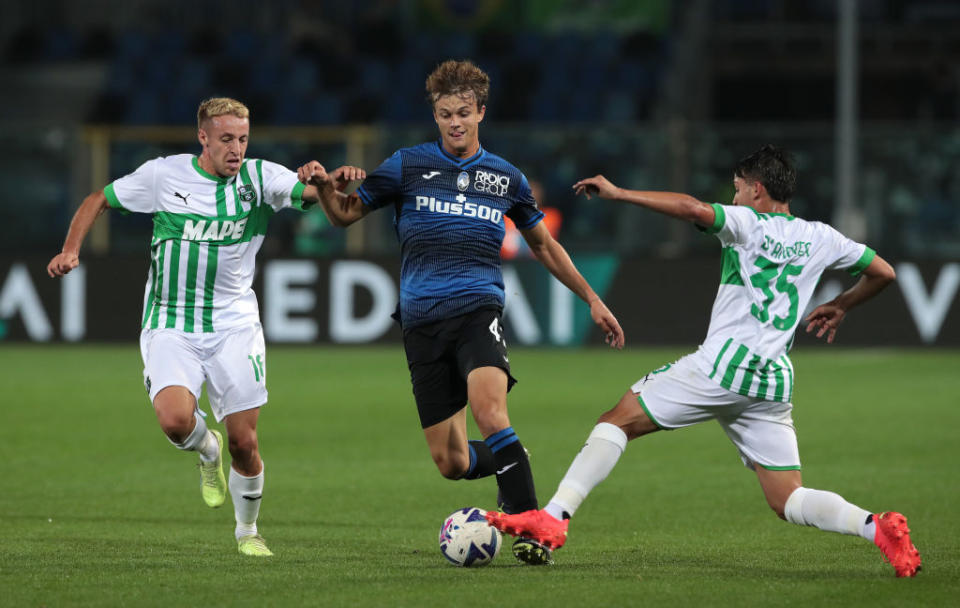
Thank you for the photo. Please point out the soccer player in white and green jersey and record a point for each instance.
(741, 376)
(201, 322)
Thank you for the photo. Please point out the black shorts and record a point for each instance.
(441, 355)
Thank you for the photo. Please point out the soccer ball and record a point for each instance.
(466, 539)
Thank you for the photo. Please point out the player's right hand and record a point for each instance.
(62, 263)
(342, 176)
(612, 332)
(597, 185)
(825, 318)
(313, 173)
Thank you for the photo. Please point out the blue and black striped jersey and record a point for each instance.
(449, 221)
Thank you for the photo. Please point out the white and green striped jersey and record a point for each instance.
(771, 264)
(206, 234)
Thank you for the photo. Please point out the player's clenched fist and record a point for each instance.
(62, 263)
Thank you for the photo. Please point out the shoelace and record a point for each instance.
(257, 541)
(209, 471)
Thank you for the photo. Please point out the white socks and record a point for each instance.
(591, 466)
(200, 440)
(827, 511)
(246, 493)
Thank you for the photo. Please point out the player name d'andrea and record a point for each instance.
(778, 249)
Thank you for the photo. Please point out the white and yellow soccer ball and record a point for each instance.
(467, 540)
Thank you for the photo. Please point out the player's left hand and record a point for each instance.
(597, 185)
(825, 318)
(613, 333)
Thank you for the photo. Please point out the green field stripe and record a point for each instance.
(208, 286)
(189, 299)
(735, 362)
(173, 284)
(726, 345)
(678, 512)
(749, 374)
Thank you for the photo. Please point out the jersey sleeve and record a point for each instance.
(848, 254)
(524, 212)
(732, 224)
(281, 188)
(135, 192)
(382, 186)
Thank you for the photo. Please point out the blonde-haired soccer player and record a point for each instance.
(201, 321)
(741, 375)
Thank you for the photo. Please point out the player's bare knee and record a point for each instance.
(450, 466)
(242, 446)
(491, 420)
(629, 416)
(176, 424)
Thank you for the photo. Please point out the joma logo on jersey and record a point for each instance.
(493, 183)
(462, 209)
(214, 230)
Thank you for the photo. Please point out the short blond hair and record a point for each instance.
(458, 78)
(218, 106)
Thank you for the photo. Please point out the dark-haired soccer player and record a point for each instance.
(741, 375)
(450, 198)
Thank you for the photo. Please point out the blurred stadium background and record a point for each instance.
(657, 94)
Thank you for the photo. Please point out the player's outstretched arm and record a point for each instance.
(826, 318)
(327, 190)
(83, 219)
(674, 204)
(554, 257)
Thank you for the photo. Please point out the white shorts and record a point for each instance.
(679, 395)
(232, 363)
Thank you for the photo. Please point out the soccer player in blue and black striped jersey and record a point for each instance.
(449, 198)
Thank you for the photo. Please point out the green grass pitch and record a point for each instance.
(97, 508)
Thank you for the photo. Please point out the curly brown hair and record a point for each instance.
(458, 78)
